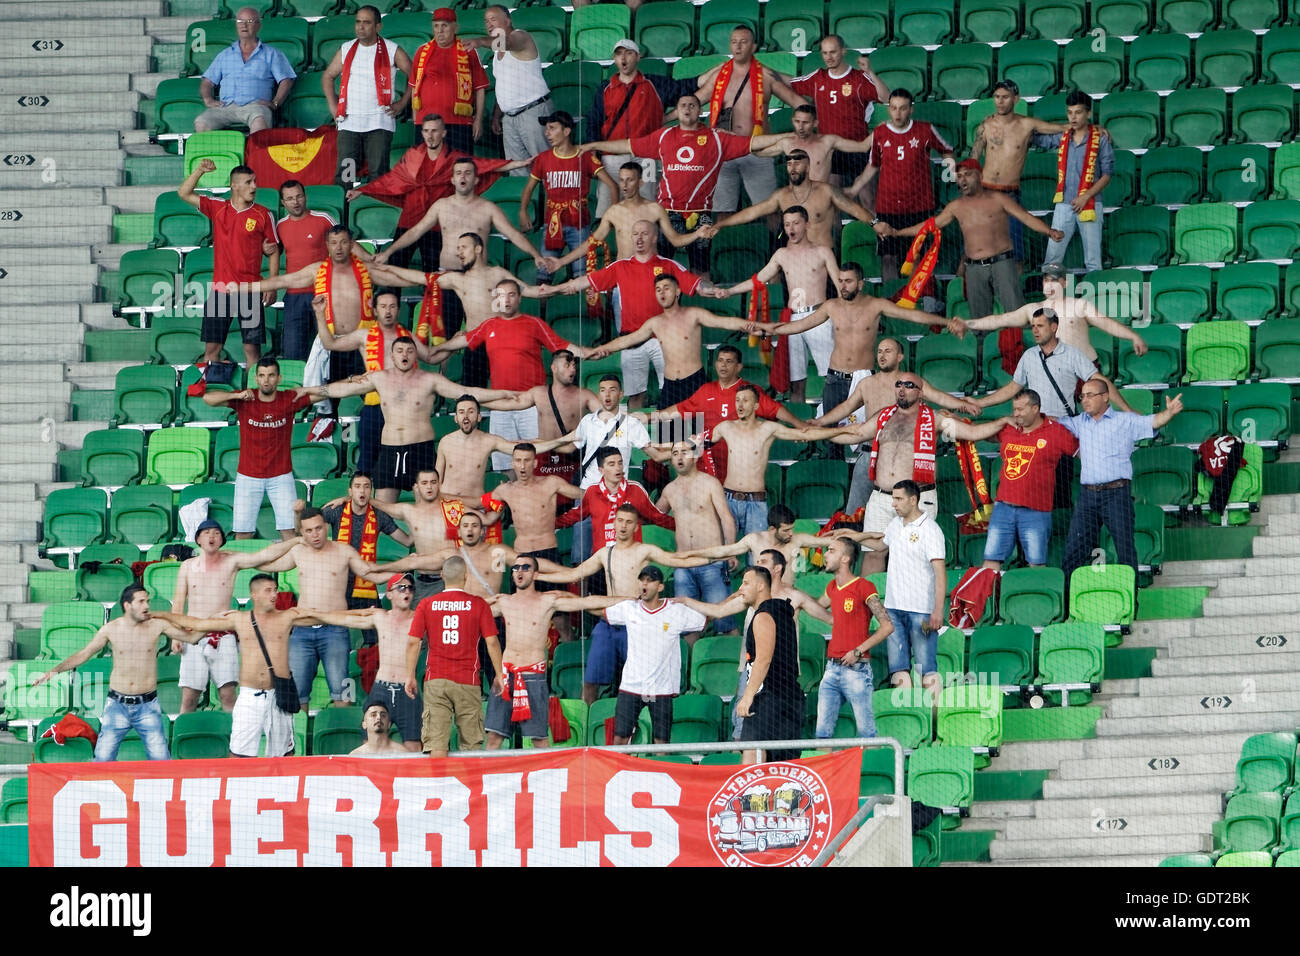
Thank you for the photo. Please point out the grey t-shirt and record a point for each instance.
(1068, 367)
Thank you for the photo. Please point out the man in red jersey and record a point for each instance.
(302, 237)
(242, 231)
(448, 80)
(844, 98)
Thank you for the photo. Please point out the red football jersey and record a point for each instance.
(1029, 460)
(237, 239)
(454, 621)
(844, 104)
(850, 617)
(691, 161)
(904, 162)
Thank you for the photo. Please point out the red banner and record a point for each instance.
(284, 153)
(561, 808)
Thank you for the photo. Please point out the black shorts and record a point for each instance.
(405, 712)
(344, 365)
(848, 165)
(546, 554)
(697, 253)
(775, 719)
(628, 710)
(680, 389)
(221, 307)
(897, 246)
(474, 367)
(499, 710)
(399, 464)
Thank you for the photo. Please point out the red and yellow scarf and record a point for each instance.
(325, 283)
(369, 545)
(383, 76)
(1089, 176)
(373, 352)
(919, 277)
(464, 79)
(430, 327)
(977, 487)
(923, 444)
(757, 95)
(597, 258)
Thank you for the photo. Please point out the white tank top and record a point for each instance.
(364, 113)
(518, 82)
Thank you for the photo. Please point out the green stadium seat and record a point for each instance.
(1171, 175)
(1092, 70)
(1071, 653)
(718, 19)
(861, 27)
(978, 111)
(697, 718)
(1277, 351)
(812, 654)
(337, 730)
(1237, 173)
(265, 8)
(969, 715)
(713, 666)
(75, 517)
(112, 457)
(144, 394)
(1054, 19)
(920, 23)
(67, 627)
(1289, 831)
(688, 67)
(289, 35)
(1122, 17)
(1205, 232)
(602, 711)
(1266, 764)
(1163, 361)
(1162, 476)
(566, 670)
(665, 29)
(225, 147)
(1033, 597)
(72, 750)
(1287, 858)
(204, 39)
(201, 735)
(1038, 180)
(1286, 171)
(1251, 14)
(945, 117)
(1247, 291)
(962, 71)
(877, 774)
(1218, 352)
(1032, 65)
(327, 35)
(549, 27)
(46, 587)
(178, 224)
(906, 714)
(574, 83)
(148, 280)
(159, 579)
(791, 25)
(371, 219)
(1271, 229)
(1225, 58)
(1138, 235)
(985, 21)
(1180, 295)
(1251, 823)
(101, 582)
(950, 366)
(306, 106)
(906, 67)
(1159, 61)
(1263, 114)
(1260, 412)
(1202, 415)
(1184, 16)
(732, 252)
(1122, 188)
(178, 456)
(1003, 654)
(194, 409)
(858, 244)
(141, 515)
(176, 104)
(1196, 118)
(1279, 57)
(13, 800)
(941, 776)
(1105, 593)
(1252, 858)
(1132, 119)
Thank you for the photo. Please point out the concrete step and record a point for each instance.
(1173, 686)
(1145, 860)
(1220, 665)
(42, 102)
(48, 333)
(78, 255)
(13, 493)
(1038, 754)
(168, 29)
(1243, 607)
(73, 11)
(993, 814)
(1257, 723)
(1101, 851)
(36, 120)
(139, 199)
(45, 85)
(146, 84)
(1147, 746)
(1108, 826)
(1117, 688)
(51, 197)
(1209, 803)
(20, 529)
(29, 392)
(26, 615)
(34, 352)
(1265, 546)
(53, 235)
(12, 592)
(1261, 644)
(16, 469)
(1270, 623)
(99, 315)
(34, 295)
(1257, 584)
(1282, 524)
(90, 65)
(11, 414)
(1188, 763)
(40, 175)
(65, 144)
(18, 276)
(110, 256)
(21, 216)
(1201, 705)
(1170, 787)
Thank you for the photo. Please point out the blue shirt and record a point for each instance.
(1106, 444)
(245, 81)
(1074, 157)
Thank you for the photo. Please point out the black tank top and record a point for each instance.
(782, 678)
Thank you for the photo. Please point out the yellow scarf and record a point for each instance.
(464, 79)
(324, 284)
(1089, 176)
(374, 355)
(369, 545)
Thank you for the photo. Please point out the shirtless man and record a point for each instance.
(903, 447)
(406, 397)
(677, 329)
(375, 721)
(394, 688)
(698, 504)
(779, 536)
(323, 567)
(527, 614)
(133, 684)
(343, 301)
(749, 439)
(621, 562)
(463, 455)
(806, 268)
(205, 585)
(433, 521)
(818, 148)
(256, 712)
(820, 199)
(990, 261)
(465, 211)
(1003, 140)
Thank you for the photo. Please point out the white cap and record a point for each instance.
(626, 44)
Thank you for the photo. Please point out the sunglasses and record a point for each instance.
(402, 587)
(906, 385)
(521, 567)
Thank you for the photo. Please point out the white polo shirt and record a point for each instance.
(909, 585)
(654, 650)
(594, 431)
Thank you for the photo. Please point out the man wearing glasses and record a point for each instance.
(254, 80)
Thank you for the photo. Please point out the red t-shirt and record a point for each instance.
(303, 241)
(438, 91)
(716, 405)
(567, 183)
(843, 105)
(454, 621)
(237, 239)
(1029, 463)
(514, 348)
(265, 429)
(904, 163)
(636, 284)
(601, 506)
(850, 617)
(691, 162)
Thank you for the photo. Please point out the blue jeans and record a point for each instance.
(1112, 507)
(297, 325)
(120, 718)
(1067, 220)
(912, 640)
(608, 650)
(580, 549)
(708, 584)
(1012, 522)
(750, 516)
(326, 643)
(573, 237)
(841, 683)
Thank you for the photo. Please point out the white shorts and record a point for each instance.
(515, 426)
(818, 342)
(248, 501)
(759, 175)
(202, 661)
(636, 363)
(255, 714)
(880, 508)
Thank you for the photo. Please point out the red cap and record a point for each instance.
(446, 14)
(971, 163)
(397, 579)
